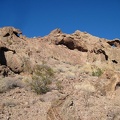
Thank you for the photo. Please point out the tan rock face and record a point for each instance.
(114, 43)
(14, 62)
(8, 31)
(86, 76)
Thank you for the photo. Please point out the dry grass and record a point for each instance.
(98, 72)
(9, 83)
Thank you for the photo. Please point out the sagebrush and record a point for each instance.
(41, 79)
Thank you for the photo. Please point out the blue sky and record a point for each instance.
(38, 17)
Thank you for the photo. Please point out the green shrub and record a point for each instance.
(41, 79)
(98, 72)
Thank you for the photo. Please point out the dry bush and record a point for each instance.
(98, 72)
(9, 83)
(41, 79)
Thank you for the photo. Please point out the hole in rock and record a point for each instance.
(117, 86)
(114, 61)
(6, 35)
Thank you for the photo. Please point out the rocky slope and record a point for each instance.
(86, 80)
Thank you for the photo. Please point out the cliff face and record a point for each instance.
(77, 48)
(86, 83)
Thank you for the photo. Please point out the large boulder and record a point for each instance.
(14, 62)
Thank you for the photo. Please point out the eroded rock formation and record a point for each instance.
(86, 76)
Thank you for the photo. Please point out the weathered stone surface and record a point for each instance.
(8, 31)
(86, 84)
(14, 62)
(114, 43)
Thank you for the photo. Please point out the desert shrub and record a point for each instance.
(10, 103)
(98, 72)
(9, 83)
(41, 79)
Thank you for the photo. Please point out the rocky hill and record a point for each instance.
(59, 76)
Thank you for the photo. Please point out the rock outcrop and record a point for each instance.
(9, 31)
(86, 84)
(114, 43)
